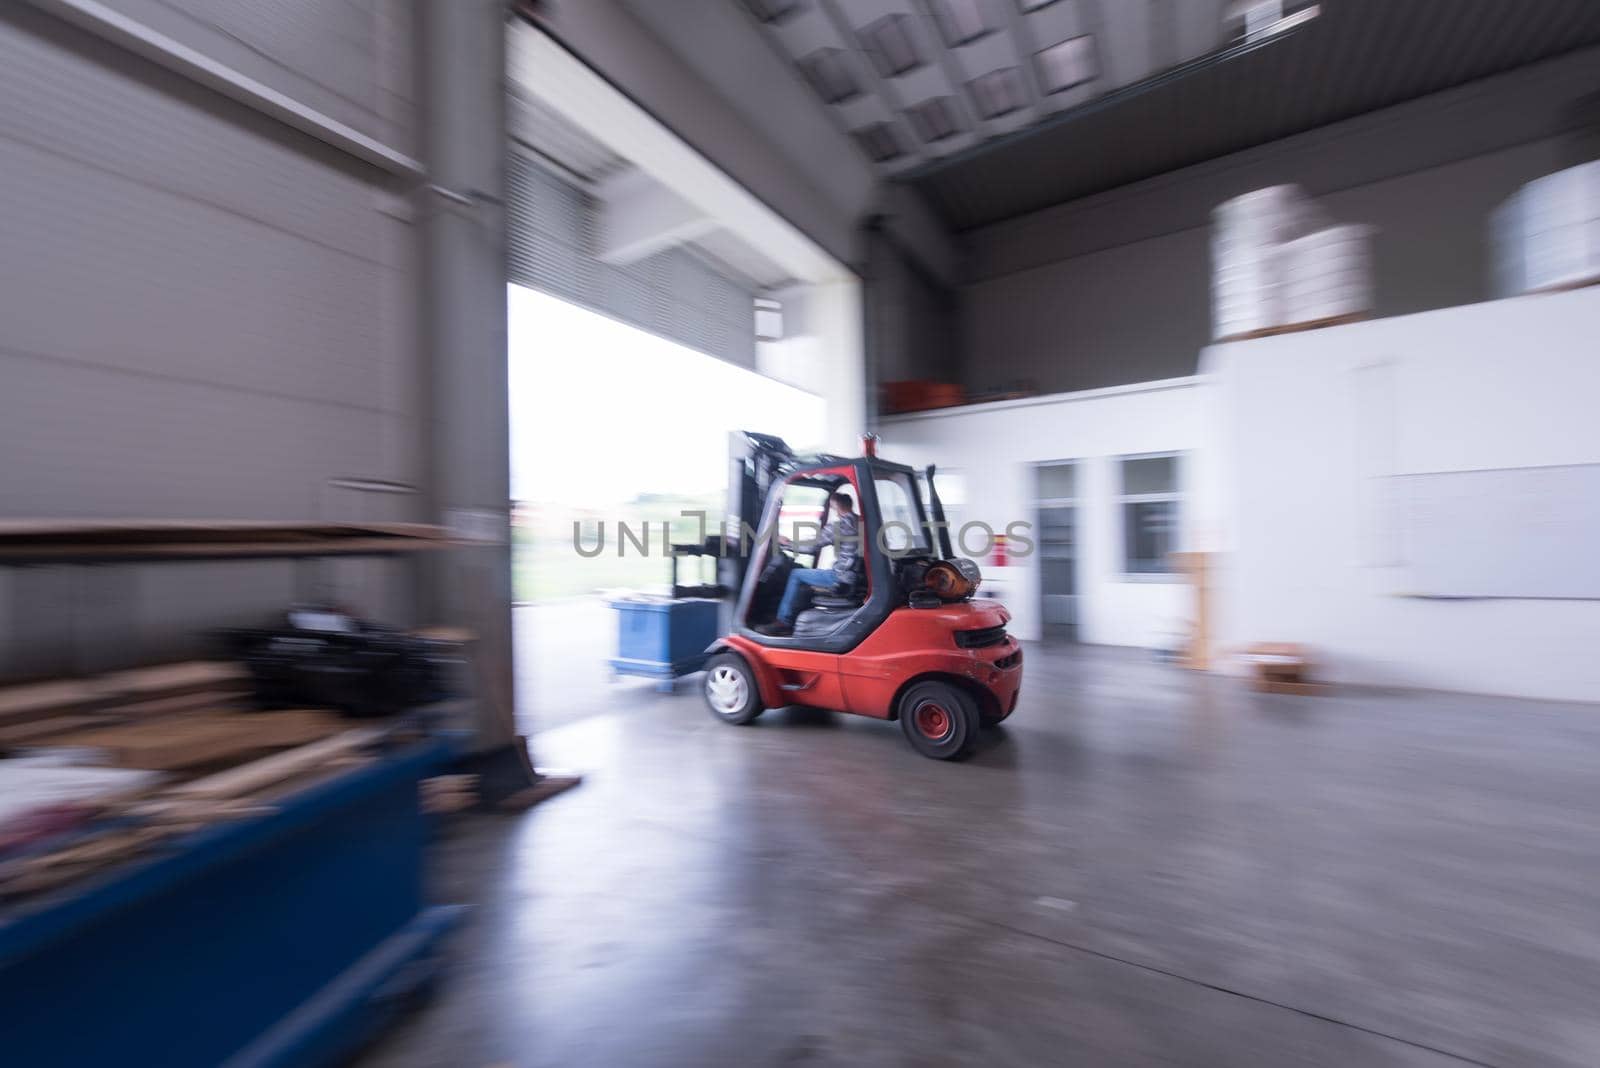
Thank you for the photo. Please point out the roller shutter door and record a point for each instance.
(676, 294)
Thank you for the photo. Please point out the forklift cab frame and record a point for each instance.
(882, 592)
(919, 648)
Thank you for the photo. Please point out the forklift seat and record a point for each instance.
(828, 611)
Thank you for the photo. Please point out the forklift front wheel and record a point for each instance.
(730, 689)
(940, 720)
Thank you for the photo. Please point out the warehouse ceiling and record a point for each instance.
(997, 108)
(919, 80)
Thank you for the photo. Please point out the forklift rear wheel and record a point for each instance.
(940, 720)
(730, 689)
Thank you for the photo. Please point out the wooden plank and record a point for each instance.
(34, 528)
(259, 774)
(1299, 689)
(1568, 287)
(167, 679)
(168, 745)
(100, 847)
(445, 633)
(1197, 647)
(51, 870)
(118, 690)
(1293, 328)
(156, 708)
(42, 699)
(547, 785)
(67, 540)
(43, 731)
(92, 553)
(444, 794)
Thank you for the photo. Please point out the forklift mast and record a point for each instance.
(755, 462)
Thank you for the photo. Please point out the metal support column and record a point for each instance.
(463, 304)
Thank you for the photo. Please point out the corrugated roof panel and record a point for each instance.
(1359, 56)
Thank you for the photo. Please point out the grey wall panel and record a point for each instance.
(86, 441)
(109, 271)
(71, 96)
(913, 317)
(330, 42)
(201, 315)
(350, 60)
(61, 620)
(1131, 314)
(74, 620)
(551, 240)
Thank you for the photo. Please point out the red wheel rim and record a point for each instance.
(933, 721)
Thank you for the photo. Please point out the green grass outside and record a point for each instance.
(546, 566)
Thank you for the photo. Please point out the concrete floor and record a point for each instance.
(561, 671)
(1143, 867)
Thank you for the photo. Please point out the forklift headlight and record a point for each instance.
(982, 638)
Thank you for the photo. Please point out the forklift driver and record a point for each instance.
(844, 534)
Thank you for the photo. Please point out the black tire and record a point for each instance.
(939, 720)
(729, 688)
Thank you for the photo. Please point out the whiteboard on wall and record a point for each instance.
(1520, 532)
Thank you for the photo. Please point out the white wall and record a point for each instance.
(1290, 443)
(1309, 426)
(995, 447)
(833, 314)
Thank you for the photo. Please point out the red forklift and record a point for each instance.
(910, 642)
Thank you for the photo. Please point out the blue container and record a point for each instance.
(269, 941)
(661, 637)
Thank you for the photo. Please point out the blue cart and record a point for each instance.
(663, 638)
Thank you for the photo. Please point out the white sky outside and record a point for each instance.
(602, 411)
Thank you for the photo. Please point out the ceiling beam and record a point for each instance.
(639, 217)
(574, 90)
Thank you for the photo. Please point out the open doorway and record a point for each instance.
(1056, 497)
(635, 348)
(615, 434)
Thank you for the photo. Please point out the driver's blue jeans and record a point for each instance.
(816, 577)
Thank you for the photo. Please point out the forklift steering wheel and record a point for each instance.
(775, 564)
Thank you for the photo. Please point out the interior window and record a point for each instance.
(897, 505)
(1150, 513)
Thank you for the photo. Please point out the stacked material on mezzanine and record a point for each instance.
(1278, 264)
(1547, 235)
